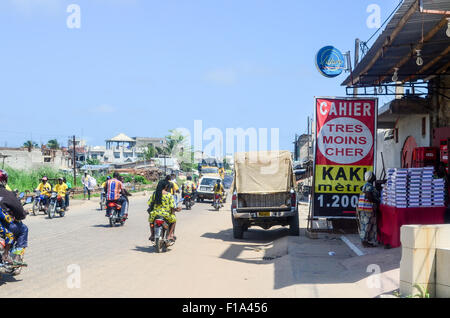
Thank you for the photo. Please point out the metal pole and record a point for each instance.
(74, 164)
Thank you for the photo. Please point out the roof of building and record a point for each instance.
(413, 27)
(122, 138)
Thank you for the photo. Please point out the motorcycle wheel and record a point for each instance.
(17, 270)
(35, 207)
(51, 210)
(158, 245)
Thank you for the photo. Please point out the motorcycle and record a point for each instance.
(56, 206)
(187, 201)
(15, 268)
(38, 204)
(217, 202)
(113, 213)
(161, 228)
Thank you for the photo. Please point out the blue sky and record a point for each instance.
(143, 67)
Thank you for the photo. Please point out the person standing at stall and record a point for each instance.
(366, 212)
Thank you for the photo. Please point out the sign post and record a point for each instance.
(345, 149)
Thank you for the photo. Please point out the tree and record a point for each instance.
(93, 162)
(30, 144)
(150, 152)
(53, 144)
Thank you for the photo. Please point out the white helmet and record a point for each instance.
(368, 176)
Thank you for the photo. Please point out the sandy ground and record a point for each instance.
(81, 256)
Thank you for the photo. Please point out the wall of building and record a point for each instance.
(21, 158)
(392, 150)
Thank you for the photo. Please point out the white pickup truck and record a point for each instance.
(264, 192)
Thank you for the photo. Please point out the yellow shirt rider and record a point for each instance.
(44, 187)
(61, 188)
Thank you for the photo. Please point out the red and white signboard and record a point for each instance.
(344, 151)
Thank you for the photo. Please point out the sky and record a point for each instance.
(143, 67)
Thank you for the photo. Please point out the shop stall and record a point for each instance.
(410, 196)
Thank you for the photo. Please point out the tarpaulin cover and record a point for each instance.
(263, 172)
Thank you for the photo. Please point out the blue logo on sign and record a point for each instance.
(330, 61)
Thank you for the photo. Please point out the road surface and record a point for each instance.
(81, 256)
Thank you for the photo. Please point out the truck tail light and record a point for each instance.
(233, 201)
(293, 199)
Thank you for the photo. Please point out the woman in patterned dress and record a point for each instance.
(366, 212)
(162, 204)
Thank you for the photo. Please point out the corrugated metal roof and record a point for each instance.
(417, 26)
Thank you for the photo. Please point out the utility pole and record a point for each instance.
(74, 163)
(357, 42)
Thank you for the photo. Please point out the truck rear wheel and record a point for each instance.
(238, 232)
(294, 227)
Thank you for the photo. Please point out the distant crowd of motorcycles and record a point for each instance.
(54, 200)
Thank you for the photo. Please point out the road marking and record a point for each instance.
(352, 246)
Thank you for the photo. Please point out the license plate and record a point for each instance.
(263, 214)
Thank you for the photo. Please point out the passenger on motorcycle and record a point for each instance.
(11, 214)
(61, 189)
(114, 190)
(102, 194)
(218, 189)
(69, 187)
(189, 187)
(162, 204)
(45, 188)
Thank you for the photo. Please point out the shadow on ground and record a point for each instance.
(301, 260)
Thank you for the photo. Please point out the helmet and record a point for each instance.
(60, 179)
(108, 177)
(189, 177)
(44, 178)
(3, 176)
(368, 176)
(218, 180)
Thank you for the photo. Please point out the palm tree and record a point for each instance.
(53, 144)
(30, 144)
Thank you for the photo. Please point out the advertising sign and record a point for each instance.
(345, 149)
(330, 61)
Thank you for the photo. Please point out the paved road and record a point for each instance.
(205, 261)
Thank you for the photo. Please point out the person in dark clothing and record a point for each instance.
(11, 215)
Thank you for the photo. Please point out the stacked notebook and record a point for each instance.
(413, 187)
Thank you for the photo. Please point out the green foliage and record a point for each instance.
(151, 152)
(29, 180)
(92, 162)
(30, 144)
(53, 144)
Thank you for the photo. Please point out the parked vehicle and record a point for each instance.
(56, 206)
(264, 192)
(15, 268)
(113, 213)
(161, 227)
(38, 203)
(187, 201)
(205, 189)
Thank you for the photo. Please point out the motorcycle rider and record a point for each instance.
(45, 188)
(218, 189)
(114, 190)
(125, 194)
(11, 214)
(61, 189)
(189, 188)
(162, 204)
